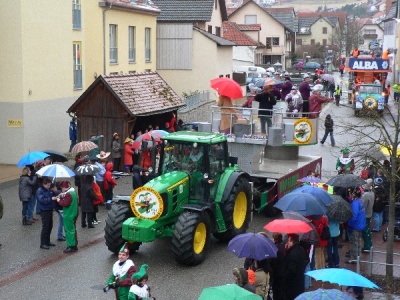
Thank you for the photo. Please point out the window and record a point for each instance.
(324, 30)
(272, 41)
(76, 54)
(131, 43)
(370, 31)
(299, 41)
(324, 42)
(218, 31)
(312, 42)
(250, 19)
(113, 44)
(76, 14)
(209, 29)
(147, 43)
(228, 75)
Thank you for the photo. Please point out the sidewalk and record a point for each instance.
(9, 173)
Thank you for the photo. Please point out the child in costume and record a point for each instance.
(122, 271)
(345, 164)
(139, 289)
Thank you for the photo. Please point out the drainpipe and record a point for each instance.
(104, 4)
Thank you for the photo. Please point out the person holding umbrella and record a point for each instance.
(368, 199)
(305, 91)
(267, 102)
(356, 224)
(228, 113)
(26, 184)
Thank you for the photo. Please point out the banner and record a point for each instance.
(373, 65)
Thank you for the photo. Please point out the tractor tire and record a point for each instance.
(191, 238)
(119, 212)
(236, 211)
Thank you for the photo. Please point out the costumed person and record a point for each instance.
(305, 91)
(228, 113)
(294, 101)
(68, 199)
(242, 279)
(266, 101)
(122, 271)
(139, 289)
(345, 164)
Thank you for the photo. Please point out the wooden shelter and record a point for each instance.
(124, 104)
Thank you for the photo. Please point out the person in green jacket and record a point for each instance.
(139, 289)
(94, 152)
(122, 271)
(68, 199)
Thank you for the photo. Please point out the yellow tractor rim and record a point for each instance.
(240, 210)
(200, 237)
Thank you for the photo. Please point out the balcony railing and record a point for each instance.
(132, 54)
(113, 55)
(370, 36)
(78, 77)
(76, 16)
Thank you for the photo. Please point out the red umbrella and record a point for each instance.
(288, 226)
(227, 87)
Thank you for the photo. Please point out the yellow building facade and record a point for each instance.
(52, 51)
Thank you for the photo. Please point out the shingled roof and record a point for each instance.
(306, 23)
(219, 40)
(147, 7)
(231, 31)
(188, 10)
(140, 93)
(341, 15)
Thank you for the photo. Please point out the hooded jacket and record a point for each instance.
(243, 281)
(109, 181)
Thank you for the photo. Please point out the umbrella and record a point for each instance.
(161, 132)
(31, 157)
(272, 81)
(342, 277)
(311, 236)
(318, 87)
(386, 150)
(278, 64)
(311, 65)
(148, 136)
(271, 69)
(56, 170)
(328, 77)
(304, 203)
(227, 292)
(227, 87)
(319, 193)
(288, 226)
(86, 170)
(83, 146)
(371, 154)
(252, 245)
(56, 156)
(324, 294)
(346, 181)
(339, 210)
(311, 179)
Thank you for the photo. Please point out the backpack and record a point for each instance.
(99, 197)
(325, 234)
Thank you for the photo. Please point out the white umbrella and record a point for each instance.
(56, 171)
(278, 64)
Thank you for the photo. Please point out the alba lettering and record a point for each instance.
(365, 65)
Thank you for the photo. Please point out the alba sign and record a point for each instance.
(369, 64)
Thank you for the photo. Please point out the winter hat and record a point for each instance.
(103, 155)
(124, 248)
(65, 184)
(306, 76)
(141, 273)
(345, 150)
(127, 140)
(115, 134)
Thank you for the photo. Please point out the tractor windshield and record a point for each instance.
(182, 157)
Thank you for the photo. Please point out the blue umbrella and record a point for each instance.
(252, 245)
(31, 157)
(56, 171)
(342, 277)
(162, 132)
(323, 294)
(303, 203)
(319, 193)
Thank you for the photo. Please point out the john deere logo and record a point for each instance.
(146, 203)
(303, 130)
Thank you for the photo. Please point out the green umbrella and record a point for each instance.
(227, 292)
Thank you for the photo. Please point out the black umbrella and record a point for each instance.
(346, 181)
(311, 236)
(86, 170)
(56, 156)
(339, 210)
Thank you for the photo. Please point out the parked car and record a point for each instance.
(308, 66)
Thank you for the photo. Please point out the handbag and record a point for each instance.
(325, 234)
(99, 197)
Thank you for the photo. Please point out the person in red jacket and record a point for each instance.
(128, 154)
(109, 182)
(315, 103)
(319, 224)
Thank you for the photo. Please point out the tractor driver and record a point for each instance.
(195, 157)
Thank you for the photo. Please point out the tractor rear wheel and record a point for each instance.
(119, 212)
(191, 238)
(236, 210)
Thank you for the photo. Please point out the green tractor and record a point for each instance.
(199, 190)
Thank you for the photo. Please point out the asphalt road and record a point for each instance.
(27, 272)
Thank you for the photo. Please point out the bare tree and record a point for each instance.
(372, 133)
(352, 34)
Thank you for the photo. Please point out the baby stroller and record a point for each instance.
(396, 224)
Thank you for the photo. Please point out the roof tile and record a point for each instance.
(231, 31)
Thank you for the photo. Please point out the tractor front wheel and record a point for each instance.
(119, 212)
(236, 210)
(191, 238)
